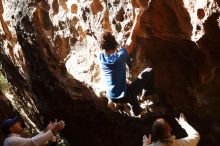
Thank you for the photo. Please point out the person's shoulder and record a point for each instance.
(100, 54)
(123, 51)
(14, 138)
(101, 58)
(10, 141)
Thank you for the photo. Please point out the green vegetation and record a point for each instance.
(21, 108)
(3, 83)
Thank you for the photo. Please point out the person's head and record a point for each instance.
(161, 129)
(12, 126)
(108, 41)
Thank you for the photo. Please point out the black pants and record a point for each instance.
(144, 81)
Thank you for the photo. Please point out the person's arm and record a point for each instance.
(37, 140)
(193, 136)
(134, 30)
(53, 141)
(41, 138)
(52, 128)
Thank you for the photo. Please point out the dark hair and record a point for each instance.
(160, 128)
(108, 41)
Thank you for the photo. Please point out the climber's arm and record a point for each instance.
(134, 30)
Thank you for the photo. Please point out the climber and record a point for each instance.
(112, 62)
(161, 132)
(13, 129)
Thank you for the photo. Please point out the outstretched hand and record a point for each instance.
(147, 140)
(56, 126)
(48, 127)
(182, 119)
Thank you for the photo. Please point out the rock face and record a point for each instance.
(49, 55)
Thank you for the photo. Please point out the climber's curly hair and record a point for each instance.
(108, 42)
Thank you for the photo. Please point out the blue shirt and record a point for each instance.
(113, 69)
